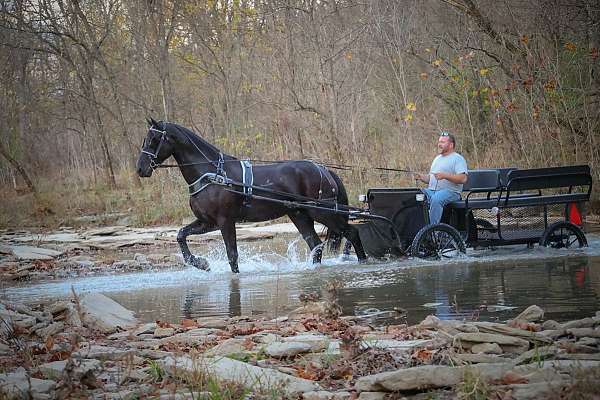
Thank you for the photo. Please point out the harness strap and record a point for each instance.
(206, 180)
(324, 172)
(247, 176)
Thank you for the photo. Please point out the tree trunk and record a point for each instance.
(20, 170)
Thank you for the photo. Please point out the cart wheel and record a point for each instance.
(437, 241)
(563, 235)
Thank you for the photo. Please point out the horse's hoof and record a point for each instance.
(363, 261)
(235, 269)
(200, 263)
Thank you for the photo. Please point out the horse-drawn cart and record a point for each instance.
(499, 207)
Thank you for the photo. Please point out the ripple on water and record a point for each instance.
(566, 283)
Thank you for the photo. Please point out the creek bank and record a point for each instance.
(92, 347)
(69, 252)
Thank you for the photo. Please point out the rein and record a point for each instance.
(328, 165)
(219, 164)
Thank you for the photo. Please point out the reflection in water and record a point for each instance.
(194, 299)
(566, 288)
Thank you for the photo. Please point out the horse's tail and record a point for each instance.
(334, 238)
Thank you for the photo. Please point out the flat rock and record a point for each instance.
(317, 342)
(502, 329)
(287, 349)
(532, 313)
(551, 324)
(212, 322)
(5, 350)
(372, 396)
(51, 330)
(584, 332)
(487, 348)
(324, 395)
(34, 253)
(160, 333)
(229, 346)
(105, 314)
(508, 343)
(145, 328)
(19, 385)
(392, 344)
(479, 358)
(101, 352)
(249, 376)
(54, 370)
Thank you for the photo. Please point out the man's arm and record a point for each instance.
(454, 178)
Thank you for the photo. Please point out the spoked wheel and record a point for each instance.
(436, 242)
(561, 235)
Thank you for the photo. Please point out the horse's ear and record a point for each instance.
(153, 122)
(149, 122)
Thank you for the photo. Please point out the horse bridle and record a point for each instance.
(154, 156)
(163, 137)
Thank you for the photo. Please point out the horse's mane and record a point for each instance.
(195, 138)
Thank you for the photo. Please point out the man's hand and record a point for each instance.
(422, 177)
(454, 178)
(441, 175)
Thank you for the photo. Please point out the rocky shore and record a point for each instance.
(91, 347)
(70, 252)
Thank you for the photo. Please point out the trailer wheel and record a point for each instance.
(436, 242)
(563, 234)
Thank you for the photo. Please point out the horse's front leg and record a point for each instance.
(230, 239)
(197, 227)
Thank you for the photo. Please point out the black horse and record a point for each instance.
(224, 191)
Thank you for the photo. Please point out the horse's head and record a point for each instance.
(157, 147)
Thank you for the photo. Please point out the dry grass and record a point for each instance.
(160, 200)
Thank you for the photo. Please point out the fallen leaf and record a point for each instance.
(49, 343)
(189, 323)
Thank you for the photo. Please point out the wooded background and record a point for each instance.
(365, 83)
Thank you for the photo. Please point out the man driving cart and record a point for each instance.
(446, 177)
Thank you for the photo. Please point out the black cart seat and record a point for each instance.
(538, 186)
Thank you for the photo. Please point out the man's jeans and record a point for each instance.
(437, 201)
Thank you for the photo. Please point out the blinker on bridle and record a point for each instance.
(154, 156)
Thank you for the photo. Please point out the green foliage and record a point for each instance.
(155, 371)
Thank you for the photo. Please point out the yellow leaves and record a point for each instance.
(484, 71)
(550, 85)
(437, 62)
(423, 76)
(349, 55)
(525, 39)
(570, 46)
(175, 41)
(410, 107)
(427, 50)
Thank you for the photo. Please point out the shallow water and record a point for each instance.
(565, 283)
